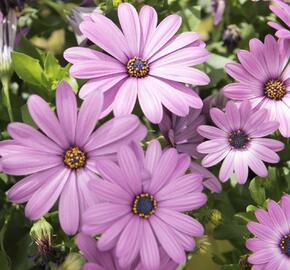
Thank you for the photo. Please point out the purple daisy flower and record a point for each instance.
(238, 140)
(282, 10)
(62, 159)
(143, 200)
(181, 133)
(143, 60)
(264, 80)
(104, 260)
(271, 244)
(218, 9)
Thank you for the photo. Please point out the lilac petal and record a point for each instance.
(66, 106)
(227, 167)
(272, 56)
(79, 55)
(102, 214)
(255, 120)
(102, 84)
(181, 222)
(262, 256)
(212, 146)
(91, 69)
(219, 118)
(116, 132)
(241, 167)
(285, 204)
(87, 118)
(126, 97)
(245, 112)
(131, 169)
(163, 33)
(275, 145)
(283, 112)
(210, 132)
(181, 74)
(69, 210)
(257, 166)
(30, 137)
(255, 244)
(86, 197)
(110, 171)
(186, 241)
(188, 202)
(109, 238)
(27, 161)
(167, 240)
(278, 217)
(130, 24)
(113, 42)
(46, 120)
(176, 43)
(263, 232)
(148, 20)
(164, 170)
(264, 218)
(189, 56)
(109, 192)
(264, 153)
(179, 187)
(214, 158)
(44, 199)
(88, 247)
(149, 252)
(149, 101)
(129, 242)
(239, 91)
(233, 115)
(153, 155)
(23, 190)
(92, 266)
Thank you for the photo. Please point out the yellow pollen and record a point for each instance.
(74, 158)
(275, 89)
(137, 67)
(144, 205)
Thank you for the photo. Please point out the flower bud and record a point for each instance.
(231, 36)
(73, 261)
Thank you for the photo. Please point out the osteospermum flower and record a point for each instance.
(263, 77)
(181, 133)
(61, 159)
(282, 10)
(104, 260)
(143, 60)
(238, 140)
(143, 200)
(271, 242)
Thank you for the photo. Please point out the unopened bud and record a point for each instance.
(231, 36)
(73, 261)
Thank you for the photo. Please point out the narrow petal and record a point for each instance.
(66, 106)
(241, 167)
(227, 167)
(219, 118)
(210, 132)
(153, 155)
(44, 199)
(87, 118)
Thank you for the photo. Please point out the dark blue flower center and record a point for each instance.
(285, 245)
(137, 67)
(144, 205)
(238, 139)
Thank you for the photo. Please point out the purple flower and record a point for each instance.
(238, 140)
(271, 242)
(181, 133)
(143, 60)
(218, 9)
(104, 260)
(62, 159)
(142, 205)
(282, 10)
(264, 80)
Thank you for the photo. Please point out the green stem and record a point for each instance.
(5, 83)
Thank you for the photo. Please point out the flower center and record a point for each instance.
(275, 89)
(144, 205)
(137, 67)
(238, 139)
(74, 158)
(285, 245)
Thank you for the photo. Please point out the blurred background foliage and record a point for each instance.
(39, 66)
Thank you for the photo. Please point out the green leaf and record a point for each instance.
(26, 118)
(29, 69)
(257, 190)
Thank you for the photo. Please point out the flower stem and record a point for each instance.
(5, 84)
